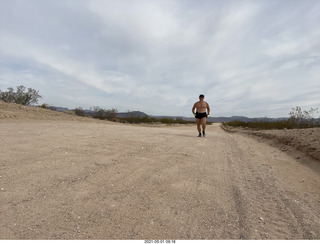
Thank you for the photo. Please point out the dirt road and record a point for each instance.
(90, 180)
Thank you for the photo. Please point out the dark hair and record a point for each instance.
(201, 95)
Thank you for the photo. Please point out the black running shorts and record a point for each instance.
(201, 115)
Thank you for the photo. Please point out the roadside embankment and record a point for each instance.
(306, 141)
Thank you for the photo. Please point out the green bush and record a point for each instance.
(44, 105)
(20, 96)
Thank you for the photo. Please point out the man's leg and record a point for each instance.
(198, 126)
(203, 123)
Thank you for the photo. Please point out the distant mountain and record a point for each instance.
(58, 109)
(132, 114)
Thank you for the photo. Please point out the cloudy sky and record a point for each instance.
(251, 58)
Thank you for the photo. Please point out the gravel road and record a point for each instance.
(96, 180)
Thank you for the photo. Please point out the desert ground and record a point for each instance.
(66, 177)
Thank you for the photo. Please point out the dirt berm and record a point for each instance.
(299, 142)
(66, 177)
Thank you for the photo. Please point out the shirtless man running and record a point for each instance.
(201, 115)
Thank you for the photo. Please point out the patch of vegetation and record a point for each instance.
(100, 113)
(152, 120)
(298, 119)
(261, 125)
(137, 120)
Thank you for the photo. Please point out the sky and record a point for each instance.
(251, 58)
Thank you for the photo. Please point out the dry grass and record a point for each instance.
(271, 125)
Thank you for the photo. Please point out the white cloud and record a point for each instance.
(251, 58)
(108, 81)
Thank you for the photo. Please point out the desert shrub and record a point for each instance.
(180, 121)
(138, 120)
(110, 114)
(302, 119)
(79, 111)
(167, 121)
(98, 112)
(20, 95)
(44, 105)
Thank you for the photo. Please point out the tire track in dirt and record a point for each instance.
(279, 217)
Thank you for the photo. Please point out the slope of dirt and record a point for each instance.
(11, 111)
(62, 179)
(306, 141)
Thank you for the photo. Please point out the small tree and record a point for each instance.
(20, 96)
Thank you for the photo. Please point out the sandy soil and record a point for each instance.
(87, 179)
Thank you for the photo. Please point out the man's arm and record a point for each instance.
(208, 108)
(193, 108)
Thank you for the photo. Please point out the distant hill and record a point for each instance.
(58, 109)
(132, 114)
